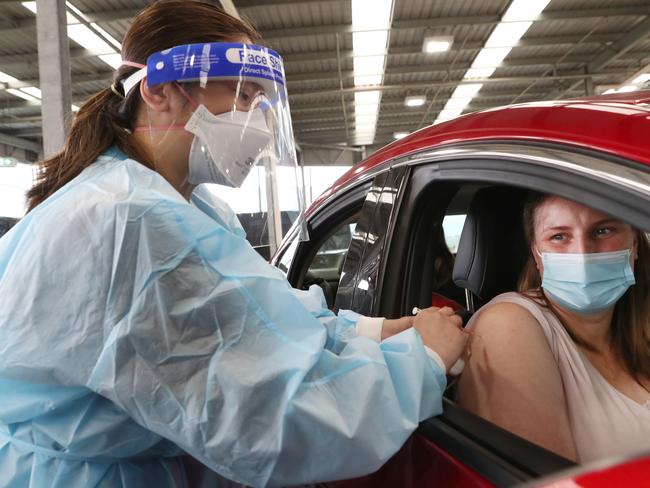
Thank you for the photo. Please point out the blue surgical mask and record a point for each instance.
(587, 283)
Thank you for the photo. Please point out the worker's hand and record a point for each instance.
(390, 327)
(441, 330)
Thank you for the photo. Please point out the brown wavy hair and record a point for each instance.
(105, 119)
(630, 327)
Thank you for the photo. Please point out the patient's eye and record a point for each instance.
(605, 230)
(558, 237)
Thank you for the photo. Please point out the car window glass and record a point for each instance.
(326, 267)
(453, 226)
(330, 255)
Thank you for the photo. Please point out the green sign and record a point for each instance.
(7, 162)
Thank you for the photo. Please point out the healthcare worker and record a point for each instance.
(137, 324)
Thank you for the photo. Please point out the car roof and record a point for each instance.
(617, 124)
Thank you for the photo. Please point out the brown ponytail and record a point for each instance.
(106, 118)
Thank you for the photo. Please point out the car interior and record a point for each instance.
(326, 265)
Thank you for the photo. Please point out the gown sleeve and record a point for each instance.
(208, 346)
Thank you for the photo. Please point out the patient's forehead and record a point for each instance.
(557, 211)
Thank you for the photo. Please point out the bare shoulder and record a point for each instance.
(507, 323)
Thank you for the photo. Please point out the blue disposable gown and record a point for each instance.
(135, 327)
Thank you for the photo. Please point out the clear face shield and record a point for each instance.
(235, 132)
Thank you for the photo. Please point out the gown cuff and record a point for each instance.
(436, 357)
(370, 327)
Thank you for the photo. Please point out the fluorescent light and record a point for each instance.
(370, 24)
(627, 88)
(30, 6)
(467, 90)
(33, 91)
(514, 24)
(415, 101)
(371, 14)
(364, 120)
(611, 90)
(370, 97)
(5, 78)
(524, 10)
(490, 57)
(83, 36)
(369, 80)
(474, 73)
(437, 44)
(368, 70)
(449, 114)
(22, 94)
(400, 135)
(366, 109)
(113, 60)
(367, 43)
(457, 103)
(507, 34)
(74, 108)
(641, 79)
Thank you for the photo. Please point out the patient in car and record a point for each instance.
(565, 362)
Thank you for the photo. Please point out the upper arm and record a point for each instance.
(512, 379)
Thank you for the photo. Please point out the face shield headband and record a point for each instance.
(212, 61)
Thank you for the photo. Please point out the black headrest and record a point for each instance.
(492, 249)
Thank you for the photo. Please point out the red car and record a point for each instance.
(379, 240)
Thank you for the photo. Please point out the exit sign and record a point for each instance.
(7, 162)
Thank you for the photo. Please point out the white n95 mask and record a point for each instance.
(225, 146)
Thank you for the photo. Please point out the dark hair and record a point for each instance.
(106, 118)
(630, 327)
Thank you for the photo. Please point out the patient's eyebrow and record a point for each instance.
(593, 224)
(556, 227)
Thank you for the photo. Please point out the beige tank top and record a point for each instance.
(604, 422)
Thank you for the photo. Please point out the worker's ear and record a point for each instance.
(164, 97)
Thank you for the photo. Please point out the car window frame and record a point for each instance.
(320, 225)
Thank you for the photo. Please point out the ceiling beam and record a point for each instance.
(421, 68)
(19, 142)
(442, 84)
(14, 27)
(637, 35)
(27, 61)
(428, 23)
(330, 55)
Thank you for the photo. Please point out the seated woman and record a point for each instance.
(565, 363)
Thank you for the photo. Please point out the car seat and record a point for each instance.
(492, 249)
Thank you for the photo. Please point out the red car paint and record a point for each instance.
(632, 473)
(419, 463)
(618, 124)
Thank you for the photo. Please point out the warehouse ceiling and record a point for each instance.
(574, 47)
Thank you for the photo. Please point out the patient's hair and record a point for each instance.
(630, 327)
